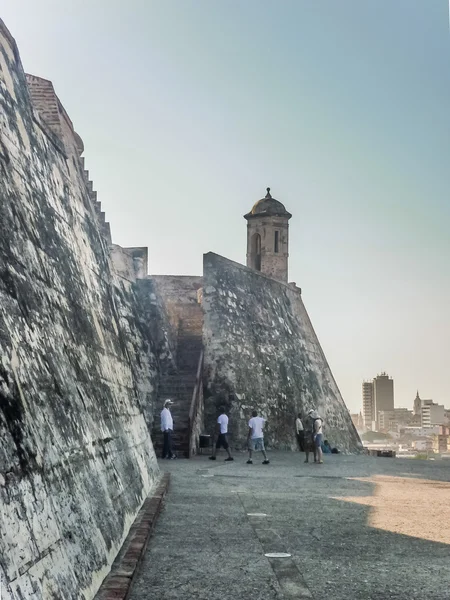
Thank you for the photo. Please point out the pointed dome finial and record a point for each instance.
(268, 206)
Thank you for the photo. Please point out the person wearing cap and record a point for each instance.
(167, 429)
(315, 436)
(255, 437)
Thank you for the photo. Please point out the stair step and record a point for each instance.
(173, 385)
(176, 440)
(184, 389)
(180, 381)
(177, 388)
(181, 377)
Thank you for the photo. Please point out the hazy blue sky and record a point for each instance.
(190, 109)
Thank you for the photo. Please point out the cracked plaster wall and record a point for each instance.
(261, 352)
(78, 367)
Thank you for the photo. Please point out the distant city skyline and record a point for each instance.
(380, 414)
(409, 403)
(189, 110)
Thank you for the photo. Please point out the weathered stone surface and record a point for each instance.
(85, 340)
(181, 316)
(125, 567)
(357, 528)
(261, 352)
(156, 324)
(177, 293)
(77, 365)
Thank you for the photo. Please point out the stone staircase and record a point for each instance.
(179, 384)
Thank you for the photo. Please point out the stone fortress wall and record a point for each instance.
(180, 294)
(79, 364)
(89, 344)
(261, 352)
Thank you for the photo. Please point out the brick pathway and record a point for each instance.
(118, 583)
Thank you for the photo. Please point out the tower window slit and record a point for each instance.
(277, 241)
(256, 251)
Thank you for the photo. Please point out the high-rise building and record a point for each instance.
(383, 393)
(378, 395)
(368, 405)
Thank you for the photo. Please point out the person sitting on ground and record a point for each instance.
(326, 448)
(309, 437)
(255, 437)
(222, 435)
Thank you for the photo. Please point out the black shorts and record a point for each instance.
(309, 440)
(222, 441)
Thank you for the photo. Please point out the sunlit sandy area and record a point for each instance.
(415, 507)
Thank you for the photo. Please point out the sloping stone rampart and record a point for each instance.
(77, 366)
(262, 352)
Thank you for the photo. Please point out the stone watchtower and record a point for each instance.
(268, 238)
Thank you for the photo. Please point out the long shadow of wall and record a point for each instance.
(370, 539)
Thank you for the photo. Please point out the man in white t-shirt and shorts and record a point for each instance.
(222, 437)
(255, 438)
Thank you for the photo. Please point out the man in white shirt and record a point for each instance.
(300, 432)
(222, 436)
(318, 437)
(167, 429)
(255, 437)
(314, 438)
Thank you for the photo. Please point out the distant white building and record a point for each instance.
(432, 414)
